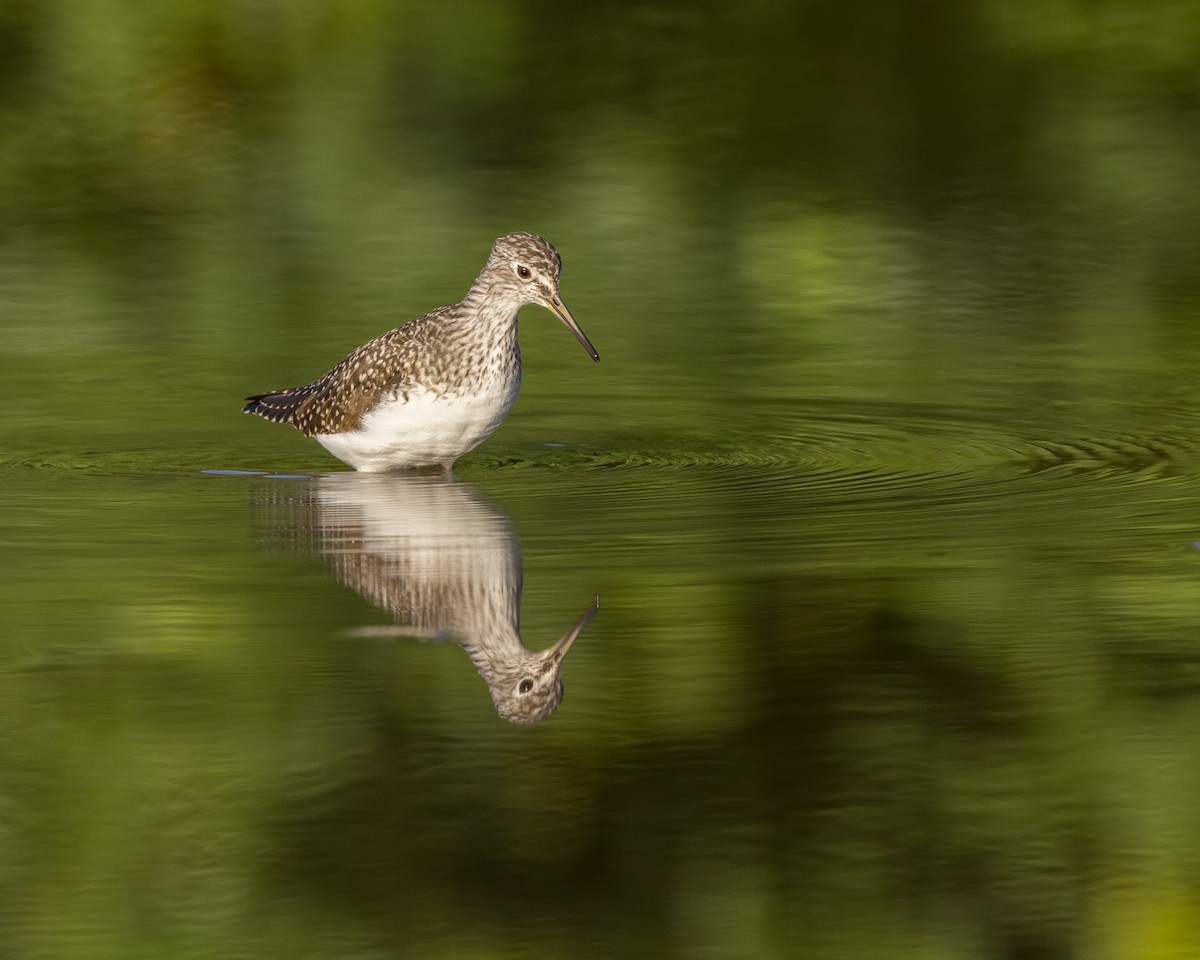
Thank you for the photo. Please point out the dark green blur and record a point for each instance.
(888, 480)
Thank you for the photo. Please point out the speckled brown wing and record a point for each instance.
(279, 406)
(337, 401)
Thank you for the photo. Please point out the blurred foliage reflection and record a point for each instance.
(888, 480)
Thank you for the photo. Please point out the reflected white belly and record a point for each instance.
(425, 429)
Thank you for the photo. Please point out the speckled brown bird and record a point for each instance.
(431, 390)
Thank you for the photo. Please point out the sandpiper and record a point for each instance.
(445, 562)
(431, 390)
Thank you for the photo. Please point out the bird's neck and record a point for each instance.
(495, 653)
(490, 302)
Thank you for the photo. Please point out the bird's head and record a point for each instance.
(527, 268)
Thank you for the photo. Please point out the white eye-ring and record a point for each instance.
(523, 271)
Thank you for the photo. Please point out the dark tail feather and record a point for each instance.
(279, 406)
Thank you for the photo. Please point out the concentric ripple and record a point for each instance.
(833, 452)
(852, 456)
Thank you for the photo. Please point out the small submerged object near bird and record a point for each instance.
(435, 388)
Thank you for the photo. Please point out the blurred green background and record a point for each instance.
(204, 200)
(888, 479)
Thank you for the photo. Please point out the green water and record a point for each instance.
(888, 484)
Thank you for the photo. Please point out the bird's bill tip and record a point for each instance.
(559, 650)
(559, 309)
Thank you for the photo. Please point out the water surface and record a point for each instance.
(887, 486)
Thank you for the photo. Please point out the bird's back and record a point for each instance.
(337, 402)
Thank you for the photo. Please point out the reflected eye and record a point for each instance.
(523, 271)
(525, 687)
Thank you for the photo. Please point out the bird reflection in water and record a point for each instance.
(447, 564)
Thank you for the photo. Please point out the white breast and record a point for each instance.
(420, 429)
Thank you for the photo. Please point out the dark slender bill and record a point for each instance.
(560, 310)
(559, 650)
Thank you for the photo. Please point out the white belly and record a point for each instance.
(426, 429)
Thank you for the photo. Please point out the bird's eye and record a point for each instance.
(523, 271)
(526, 686)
